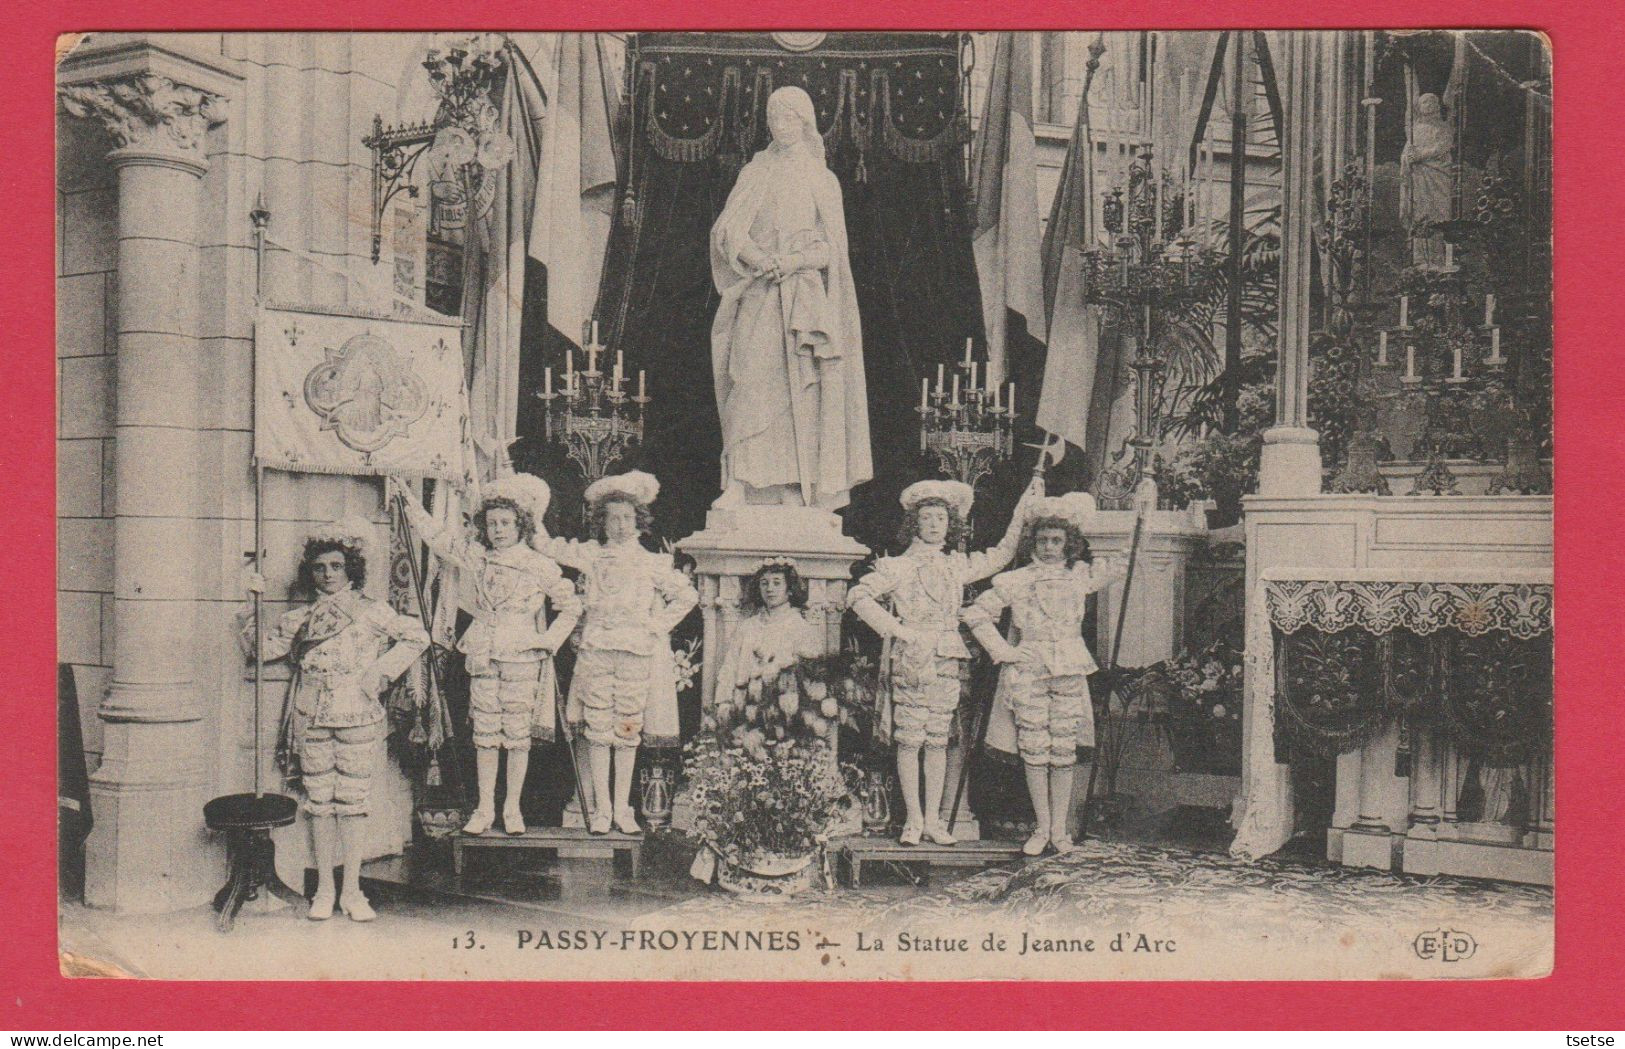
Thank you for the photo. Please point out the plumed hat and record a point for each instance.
(353, 533)
(528, 491)
(1075, 508)
(635, 485)
(956, 494)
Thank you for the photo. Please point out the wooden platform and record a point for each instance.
(854, 852)
(626, 850)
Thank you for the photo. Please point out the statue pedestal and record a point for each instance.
(735, 541)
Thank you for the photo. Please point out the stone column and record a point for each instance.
(147, 795)
(1290, 462)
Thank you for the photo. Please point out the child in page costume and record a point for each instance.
(508, 649)
(345, 651)
(1043, 680)
(773, 637)
(925, 587)
(624, 692)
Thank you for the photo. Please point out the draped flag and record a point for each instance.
(494, 266)
(352, 393)
(1069, 402)
(1006, 241)
(575, 184)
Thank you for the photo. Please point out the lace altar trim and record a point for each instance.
(1523, 610)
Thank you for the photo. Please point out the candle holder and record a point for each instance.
(593, 416)
(969, 436)
(1153, 270)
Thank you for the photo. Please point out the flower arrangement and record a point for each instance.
(761, 775)
(1200, 691)
(800, 703)
(770, 801)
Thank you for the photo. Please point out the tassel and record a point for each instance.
(432, 777)
(630, 216)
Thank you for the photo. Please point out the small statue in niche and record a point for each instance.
(1427, 181)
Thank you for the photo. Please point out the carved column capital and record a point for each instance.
(148, 113)
(156, 98)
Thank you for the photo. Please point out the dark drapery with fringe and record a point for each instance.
(890, 109)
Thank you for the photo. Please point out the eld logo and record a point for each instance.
(1445, 945)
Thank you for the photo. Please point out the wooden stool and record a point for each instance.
(624, 849)
(247, 821)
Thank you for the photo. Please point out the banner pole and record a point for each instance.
(261, 217)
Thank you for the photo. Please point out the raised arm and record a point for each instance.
(572, 553)
(983, 563)
(448, 542)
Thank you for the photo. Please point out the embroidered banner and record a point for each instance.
(357, 393)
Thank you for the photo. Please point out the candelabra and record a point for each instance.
(1151, 270)
(593, 416)
(1447, 360)
(966, 426)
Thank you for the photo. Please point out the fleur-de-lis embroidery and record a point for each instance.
(293, 331)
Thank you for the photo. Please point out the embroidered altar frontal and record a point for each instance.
(1475, 659)
(353, 393)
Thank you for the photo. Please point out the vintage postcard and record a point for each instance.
(805, 505)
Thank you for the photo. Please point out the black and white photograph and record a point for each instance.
(805, 505)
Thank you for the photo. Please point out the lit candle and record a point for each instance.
(595, 331)
(569, 370)
(1449, 255)
(1455, 362)
(619, 362)
(1489, 310)
(968, 344)
(994, 389)
(939, 380)
(1495, 346)
(1011, 404)
(1410, 362)
(1382, 347)
(973, 376)
(956, 389)
(592, 358)
(1404, 310)
(547, 382)
(643, 383)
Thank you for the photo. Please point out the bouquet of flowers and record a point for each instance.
(772, 800)
(801, 702)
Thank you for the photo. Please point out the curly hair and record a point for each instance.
(355, 565)
(751, 599)
(1077, 547)
(911, 523)
(595, 515)
(527, 523)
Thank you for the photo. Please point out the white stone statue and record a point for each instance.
(786, 345)
(1427, 183)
